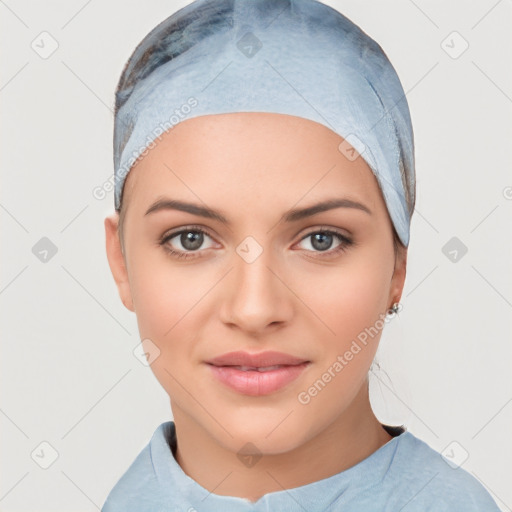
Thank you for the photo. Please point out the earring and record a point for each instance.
(395, 308)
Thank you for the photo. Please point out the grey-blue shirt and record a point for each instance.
(404, 475)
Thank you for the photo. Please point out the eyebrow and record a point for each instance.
(292, 215)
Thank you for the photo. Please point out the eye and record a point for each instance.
(188, 242)
(321, 241)
(185, 242)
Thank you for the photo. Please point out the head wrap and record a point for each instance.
(296, 57)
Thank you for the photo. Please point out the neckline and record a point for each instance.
(173, 481)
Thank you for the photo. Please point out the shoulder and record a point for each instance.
(138, 487)
(430, 481)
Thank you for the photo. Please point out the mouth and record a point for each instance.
(257, 374)
(257, 360)
(256, 368)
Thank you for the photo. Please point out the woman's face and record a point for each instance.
(272, 275)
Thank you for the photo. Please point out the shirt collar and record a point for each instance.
(177, 486)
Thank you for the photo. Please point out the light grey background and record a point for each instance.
(68, 373)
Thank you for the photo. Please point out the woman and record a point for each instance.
(264, 163)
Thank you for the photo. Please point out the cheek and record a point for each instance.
(168, 299)
(161, 309)
(350, 301)
(162, 292)
(347, 299)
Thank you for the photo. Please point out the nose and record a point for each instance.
(257, 298)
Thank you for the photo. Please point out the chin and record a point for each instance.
(272, 430)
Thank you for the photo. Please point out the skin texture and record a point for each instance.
(294, 298)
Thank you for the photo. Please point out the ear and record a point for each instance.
(116, 260)
(398, 278)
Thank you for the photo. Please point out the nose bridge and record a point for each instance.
(256, 297)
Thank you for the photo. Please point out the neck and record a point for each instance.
(352, 437)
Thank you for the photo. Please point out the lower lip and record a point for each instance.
(255, 383)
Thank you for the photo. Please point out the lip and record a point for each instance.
(251, 381)
(258, 360)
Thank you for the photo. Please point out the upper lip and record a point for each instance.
(257, 360)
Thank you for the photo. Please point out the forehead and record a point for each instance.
(250, 157)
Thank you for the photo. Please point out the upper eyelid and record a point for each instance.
(327, 229)
(179, 231)
(168, 236)
(197, 227)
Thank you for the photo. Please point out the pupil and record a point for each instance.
(322, 241)
(192, 240)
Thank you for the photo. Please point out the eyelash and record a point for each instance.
(345, 242)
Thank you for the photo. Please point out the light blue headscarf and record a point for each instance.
(296, 57)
